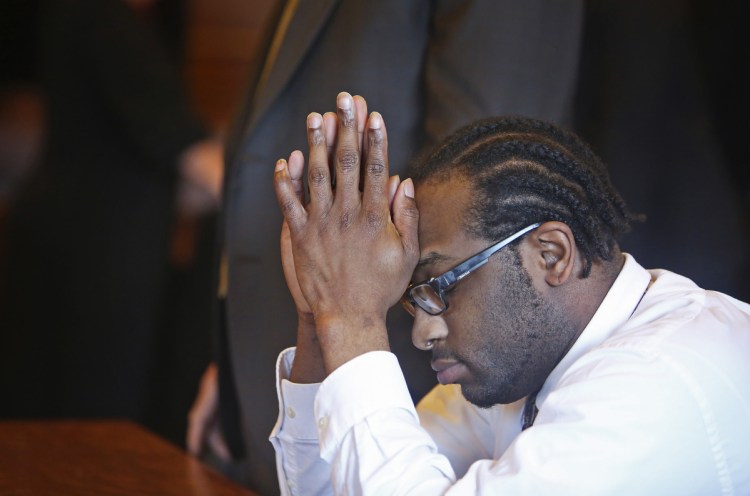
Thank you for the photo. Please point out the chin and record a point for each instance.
(480, 397)
(486, 398)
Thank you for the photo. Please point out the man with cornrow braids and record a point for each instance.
(564, 366)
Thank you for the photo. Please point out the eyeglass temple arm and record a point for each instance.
(473, 263)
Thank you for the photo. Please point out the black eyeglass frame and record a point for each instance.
(446, 281)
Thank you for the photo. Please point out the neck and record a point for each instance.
(586, 296)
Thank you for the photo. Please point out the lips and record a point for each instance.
(448, 371)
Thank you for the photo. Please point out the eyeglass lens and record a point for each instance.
(427, 298)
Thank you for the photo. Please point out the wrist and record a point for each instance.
(344, 338)
(306, 320)
(307, 367)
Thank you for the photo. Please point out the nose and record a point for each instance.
(427, 329)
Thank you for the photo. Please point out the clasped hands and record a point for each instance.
(349, 250)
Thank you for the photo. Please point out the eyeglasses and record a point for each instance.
(430, 295)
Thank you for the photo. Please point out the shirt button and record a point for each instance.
(322, 422)
(290, 412)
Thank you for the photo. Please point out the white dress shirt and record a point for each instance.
(652, 399)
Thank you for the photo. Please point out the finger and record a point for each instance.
(296, 168)
(291, 207)
(347, 153)
(318, 173)
(406, 218)
(393, 183)
(330, 126)
(360, 105)
(375, 195)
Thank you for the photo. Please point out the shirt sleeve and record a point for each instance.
(370, 433)
(300, 468)
(367, 421)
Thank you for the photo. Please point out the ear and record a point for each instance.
(554, 248)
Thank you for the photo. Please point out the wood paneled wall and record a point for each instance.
(222, 39)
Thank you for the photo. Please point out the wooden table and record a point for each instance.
(99, 458)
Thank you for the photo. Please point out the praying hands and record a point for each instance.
(348, 254)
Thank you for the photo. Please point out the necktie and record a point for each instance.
(529, 412)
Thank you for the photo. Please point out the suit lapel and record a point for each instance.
(306, 23)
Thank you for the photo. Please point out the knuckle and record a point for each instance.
(376, 166)
(348, 160)
(374, 219)
(318, 176)
(346, 220)
(410, 212)
(288, 208)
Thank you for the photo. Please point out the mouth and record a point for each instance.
(448, 371)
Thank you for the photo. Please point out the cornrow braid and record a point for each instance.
(524, 171)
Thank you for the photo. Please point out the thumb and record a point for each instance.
(406, 217)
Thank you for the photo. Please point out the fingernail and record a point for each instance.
(376, 121)
(409, 188)
(280, 165)
(344, 101)
(314, 120)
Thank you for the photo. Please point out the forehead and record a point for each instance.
(443, 207)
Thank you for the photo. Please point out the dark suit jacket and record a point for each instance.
(428, 67)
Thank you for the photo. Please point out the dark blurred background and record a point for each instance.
(662, 97)
(211, 44)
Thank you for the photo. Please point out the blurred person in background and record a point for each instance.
(89, 232)
(21, 111)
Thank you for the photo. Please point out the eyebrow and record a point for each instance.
(432, 258)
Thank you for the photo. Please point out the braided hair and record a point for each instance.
(524, 171)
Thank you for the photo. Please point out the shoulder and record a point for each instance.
(675, 314)
(680, 362)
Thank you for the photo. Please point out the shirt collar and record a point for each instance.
(616, 308)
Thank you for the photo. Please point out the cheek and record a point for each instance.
(498, 315)
(465, 335)
(473, 318)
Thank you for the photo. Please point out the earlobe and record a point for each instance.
(557, 249)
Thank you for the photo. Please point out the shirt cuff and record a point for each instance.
(296, 401)
(362, 386)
